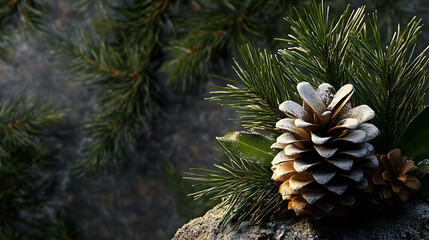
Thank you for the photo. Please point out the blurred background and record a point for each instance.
(143, 195)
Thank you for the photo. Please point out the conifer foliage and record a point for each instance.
(122, 61)
(121, 67)
(19, 15)
(24, 154)
(214, 31)
(390, 79)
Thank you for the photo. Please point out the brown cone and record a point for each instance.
(325, 151)
(393, 181)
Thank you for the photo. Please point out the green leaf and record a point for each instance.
(424, 166)
(249, 147)
(415, 141)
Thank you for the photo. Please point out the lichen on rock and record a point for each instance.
(412, 223)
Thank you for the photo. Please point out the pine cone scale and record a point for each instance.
(325, 152)
(326, 93)
(311, 195)
(342, 163)
(323, 176)
(355, 174)
(347, 200)
(378, 179)
(370, 130)
(298, 204)
(396, 160)
(337, 187)
(319, 140)
(354, 136)
(301, 180)
(294, 110)
(326, 205)
(387, 175)
(385, 161)
(301, 165)
(409, 167)
(312, 100)
(413, 183)
(280, 157)
(340, 99)
(345, 124)
(361, 150)
(305, 125)
(288, 138)
(288, 125)
(283, 169)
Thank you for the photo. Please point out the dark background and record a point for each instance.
(146, 198)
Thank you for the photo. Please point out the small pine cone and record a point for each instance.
(393, 181)
(325, 151)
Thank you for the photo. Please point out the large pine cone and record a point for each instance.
(393, 181)
(324, 151)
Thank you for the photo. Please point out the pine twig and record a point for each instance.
(391, 80)
(261, 88)
(194, 55)
(23, 156)
(219, 33)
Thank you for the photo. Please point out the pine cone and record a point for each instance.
(393, 181)
(324, 151)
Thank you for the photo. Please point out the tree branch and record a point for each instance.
(161, 5)
(217, 34)
(11, 3)
(11, 126)
(114, 72)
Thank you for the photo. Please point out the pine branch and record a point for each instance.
(320, 46)
(18, 175)
(391, 80)
(142, 21)
(128, 96)
(121, 66)
(247, 188)
(22, 121)
(192, 56)
(31, 12)
(107, 66)
(7, 7)
(136, 23)
(23, 124)
(84, 5)
(5, 43)
(116, 127)
(94, 58)
(216, 31)
(263, 86)
(17, 15)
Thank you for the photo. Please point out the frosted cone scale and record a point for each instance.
(324, 150)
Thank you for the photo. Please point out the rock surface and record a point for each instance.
(412, 223)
